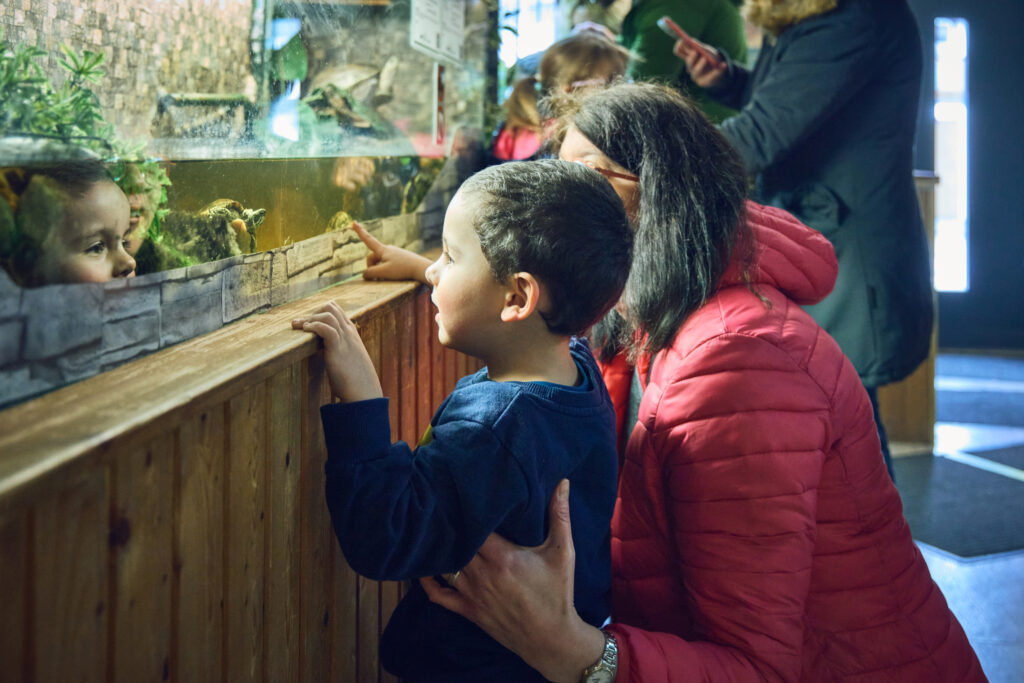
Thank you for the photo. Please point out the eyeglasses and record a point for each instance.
(610, 174)
(615, 174)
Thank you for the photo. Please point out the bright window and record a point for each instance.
(534, 22)
(951, 148)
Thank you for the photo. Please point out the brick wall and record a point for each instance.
(176, 45)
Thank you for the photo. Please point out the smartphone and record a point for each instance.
(675, 31)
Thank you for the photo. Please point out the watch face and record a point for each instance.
(602, 675)
(604, 670)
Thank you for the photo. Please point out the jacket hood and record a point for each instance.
(789, 256)
(775, 16)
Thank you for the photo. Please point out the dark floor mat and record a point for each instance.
(993, 408)
(960, 509)
(1012, 455)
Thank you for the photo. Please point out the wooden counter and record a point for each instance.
(165, 521)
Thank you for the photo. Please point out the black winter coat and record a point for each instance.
(827, 126)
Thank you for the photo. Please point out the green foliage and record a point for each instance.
(291, 62)
(494, 112)
(30, 104)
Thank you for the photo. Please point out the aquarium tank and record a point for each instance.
(167, 168)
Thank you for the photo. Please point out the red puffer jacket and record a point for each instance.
(757, 535)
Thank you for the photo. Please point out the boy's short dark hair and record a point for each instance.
(561, 222)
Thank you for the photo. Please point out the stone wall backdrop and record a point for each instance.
(178, 46)
(55, 335)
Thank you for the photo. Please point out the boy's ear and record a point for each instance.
(521, 298)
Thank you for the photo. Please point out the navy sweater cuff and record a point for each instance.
(359, 430)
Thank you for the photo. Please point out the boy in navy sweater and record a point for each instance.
(533, 254)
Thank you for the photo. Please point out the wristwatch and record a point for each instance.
(603, 670)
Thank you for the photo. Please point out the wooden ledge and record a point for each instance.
(139, 399)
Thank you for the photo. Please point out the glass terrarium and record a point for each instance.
(243, 138)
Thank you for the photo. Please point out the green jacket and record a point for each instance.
(715, 22)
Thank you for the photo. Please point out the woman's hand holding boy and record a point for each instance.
(523, 598)
(349, 368)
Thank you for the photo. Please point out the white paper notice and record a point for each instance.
(435, 28)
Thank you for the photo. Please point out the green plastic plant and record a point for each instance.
(30, 104)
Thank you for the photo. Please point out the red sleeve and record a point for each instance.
(618, 376)
(504, 145)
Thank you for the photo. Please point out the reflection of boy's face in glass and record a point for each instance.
(88, 245)
(141, 218)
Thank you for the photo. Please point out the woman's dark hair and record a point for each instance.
(690, 213)
(562, 223)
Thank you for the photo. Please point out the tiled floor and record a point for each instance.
(987, 596)
(986, 593)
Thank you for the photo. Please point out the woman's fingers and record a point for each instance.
(704, 67)
(371, 242)
(449, 598)
(681, 50)
(560, 533)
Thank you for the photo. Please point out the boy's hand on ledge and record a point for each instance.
(349, 368)
(386, 262)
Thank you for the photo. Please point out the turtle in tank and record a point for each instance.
(221, 229)
(351, 93)
(244, 222)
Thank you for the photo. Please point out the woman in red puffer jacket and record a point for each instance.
(757, 534)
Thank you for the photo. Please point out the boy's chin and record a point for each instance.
(454, 345)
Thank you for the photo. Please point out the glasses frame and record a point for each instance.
(615, 174)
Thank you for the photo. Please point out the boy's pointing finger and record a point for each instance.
(371, 242)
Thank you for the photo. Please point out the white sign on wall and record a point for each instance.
(435, 28)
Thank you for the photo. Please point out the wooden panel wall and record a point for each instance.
(908, 407)
(192, 542)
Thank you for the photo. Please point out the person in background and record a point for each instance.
(715, 22)
(605, 16)
(601, 17)
(63, 224)
(145, 185)
(534, 253)
(827, 127)
(521, 134)
(756, 535)
(583, 59)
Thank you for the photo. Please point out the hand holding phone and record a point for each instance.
(675, 31)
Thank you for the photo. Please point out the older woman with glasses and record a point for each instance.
(757, 534)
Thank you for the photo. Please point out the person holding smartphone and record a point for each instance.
(826, 126)
(714, 22)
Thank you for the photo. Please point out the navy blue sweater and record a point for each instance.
(491, 460)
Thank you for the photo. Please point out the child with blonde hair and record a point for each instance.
(583, 59)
